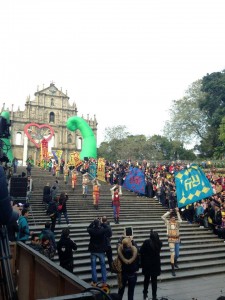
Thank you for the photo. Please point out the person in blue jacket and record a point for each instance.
(24, 233)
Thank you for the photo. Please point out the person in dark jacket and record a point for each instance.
(52, 213)
(151, 264)
(47, 232)
(65, 247)
(35, 242)
(128, 255)
(46, 195)
(12, 229)
(108, 251)
(97, 247)
(63, 198)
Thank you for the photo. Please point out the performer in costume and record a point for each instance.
(66, 174)
(96, 192)
(173, 234)
(74, 178)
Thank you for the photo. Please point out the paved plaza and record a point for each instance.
(200, 288)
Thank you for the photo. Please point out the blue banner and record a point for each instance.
(92, 171)
(192, 185)
(135, 181)
(55, 156)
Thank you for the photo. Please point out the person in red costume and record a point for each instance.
(116, 205)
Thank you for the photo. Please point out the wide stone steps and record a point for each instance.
(201, 252)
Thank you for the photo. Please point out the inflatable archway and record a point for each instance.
(7, 149)
(89, 148)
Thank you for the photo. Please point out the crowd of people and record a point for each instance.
(208, 213)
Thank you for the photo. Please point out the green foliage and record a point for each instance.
(139, 148)
(199, 116)
(187, 122)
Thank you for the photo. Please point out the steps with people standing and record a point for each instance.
(201, 252)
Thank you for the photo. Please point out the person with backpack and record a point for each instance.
(65, 248)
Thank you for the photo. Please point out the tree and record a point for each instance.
(187, 122)
(115, 133)
(139, 148)
(213, 106)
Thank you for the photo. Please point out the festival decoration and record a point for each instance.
(135, 181)
(101, 169)
(89, 148)
(6, 143)
(44, 146)
(75, 160)
(36, 133)
(192, 185)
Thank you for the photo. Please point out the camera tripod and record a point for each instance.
(7, 285)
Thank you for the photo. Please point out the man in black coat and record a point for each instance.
(97, 247)
(46, 195)
(108, 251)
(151, 264)
(65, 247)
(52, 212)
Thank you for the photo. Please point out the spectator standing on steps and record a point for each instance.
(65, 248)
(97, 247)
(54, 189)
(173, 234)
(150, 262)
(129, 258)
(52, 213)
(46, 195)
(63, 198)
(108, 236)
(28, 168)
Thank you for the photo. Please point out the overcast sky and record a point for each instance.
(123, 61)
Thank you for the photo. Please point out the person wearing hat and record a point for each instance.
(65, 248)
(151, 263)
(173, 234)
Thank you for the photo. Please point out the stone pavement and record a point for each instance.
(200, 288)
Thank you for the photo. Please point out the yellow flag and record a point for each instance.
(101, 169)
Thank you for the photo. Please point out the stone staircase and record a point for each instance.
(201, 252)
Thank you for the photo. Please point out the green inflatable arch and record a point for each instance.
(89, 148)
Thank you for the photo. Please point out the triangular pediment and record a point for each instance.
(53, 91)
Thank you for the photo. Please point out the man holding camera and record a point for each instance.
(173, 234)
(97, 247)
